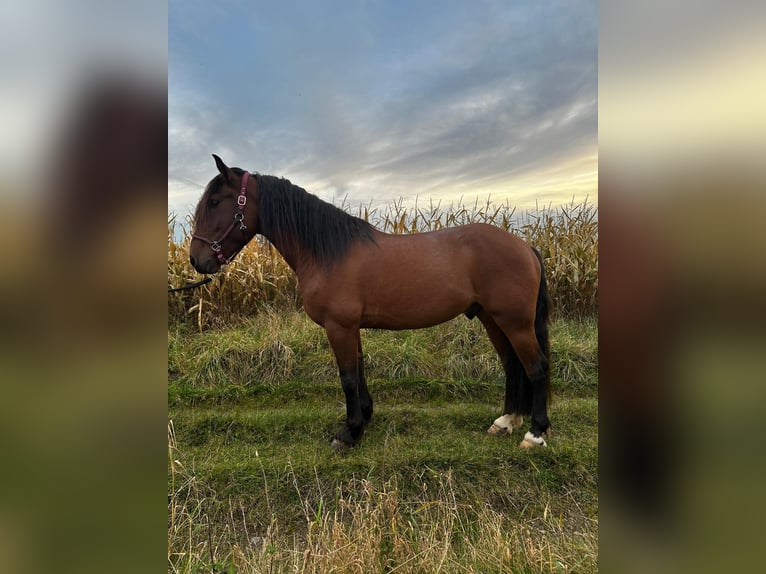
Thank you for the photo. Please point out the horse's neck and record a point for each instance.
(291, 253)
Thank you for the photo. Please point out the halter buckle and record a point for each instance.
(215, 246)
(241, 200)
(239, 217)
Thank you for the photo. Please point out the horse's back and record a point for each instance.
(493, 244)
(476, 246)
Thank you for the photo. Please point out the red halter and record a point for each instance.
(239, 217)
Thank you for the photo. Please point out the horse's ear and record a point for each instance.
(223, 169)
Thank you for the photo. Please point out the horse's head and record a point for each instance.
(225, 218)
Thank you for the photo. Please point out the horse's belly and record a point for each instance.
(407, 307)
(416, 319)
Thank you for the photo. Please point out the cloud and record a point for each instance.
(379, 103)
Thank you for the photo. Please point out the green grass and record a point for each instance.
(254, 487)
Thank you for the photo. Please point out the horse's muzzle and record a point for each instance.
(207, 267)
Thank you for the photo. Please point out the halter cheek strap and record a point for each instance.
(239, 218)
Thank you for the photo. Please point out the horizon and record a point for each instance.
(426, 209)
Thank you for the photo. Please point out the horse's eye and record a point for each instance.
(214, 202)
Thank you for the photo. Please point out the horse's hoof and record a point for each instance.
(339, 446)
(505, 425)
(532, 441)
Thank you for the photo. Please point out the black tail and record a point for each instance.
(542, 318)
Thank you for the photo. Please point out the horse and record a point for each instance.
(352, 276)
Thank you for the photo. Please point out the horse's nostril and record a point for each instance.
(193, 261)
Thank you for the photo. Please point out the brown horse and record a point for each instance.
(353, 276)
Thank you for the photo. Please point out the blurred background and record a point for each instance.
(83, 156)
(682, 128)
(83, 223)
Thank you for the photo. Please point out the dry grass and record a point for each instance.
(367, 527)
(566, 237)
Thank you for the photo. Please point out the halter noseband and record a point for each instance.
(239, 217)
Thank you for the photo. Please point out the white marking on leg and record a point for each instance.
(505, 424)
(531, 441)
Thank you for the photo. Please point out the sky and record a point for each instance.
(375, 101)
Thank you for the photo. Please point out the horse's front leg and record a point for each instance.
(345, 344)
(364, 394)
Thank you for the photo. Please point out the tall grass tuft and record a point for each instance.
(567, 238)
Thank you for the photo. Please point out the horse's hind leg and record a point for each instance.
(535, 363)
(532, 393)
(514, 374)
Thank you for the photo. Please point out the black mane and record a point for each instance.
(289, 213)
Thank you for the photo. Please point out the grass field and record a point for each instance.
(254, 486)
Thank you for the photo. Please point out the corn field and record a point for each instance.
(567, 238)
